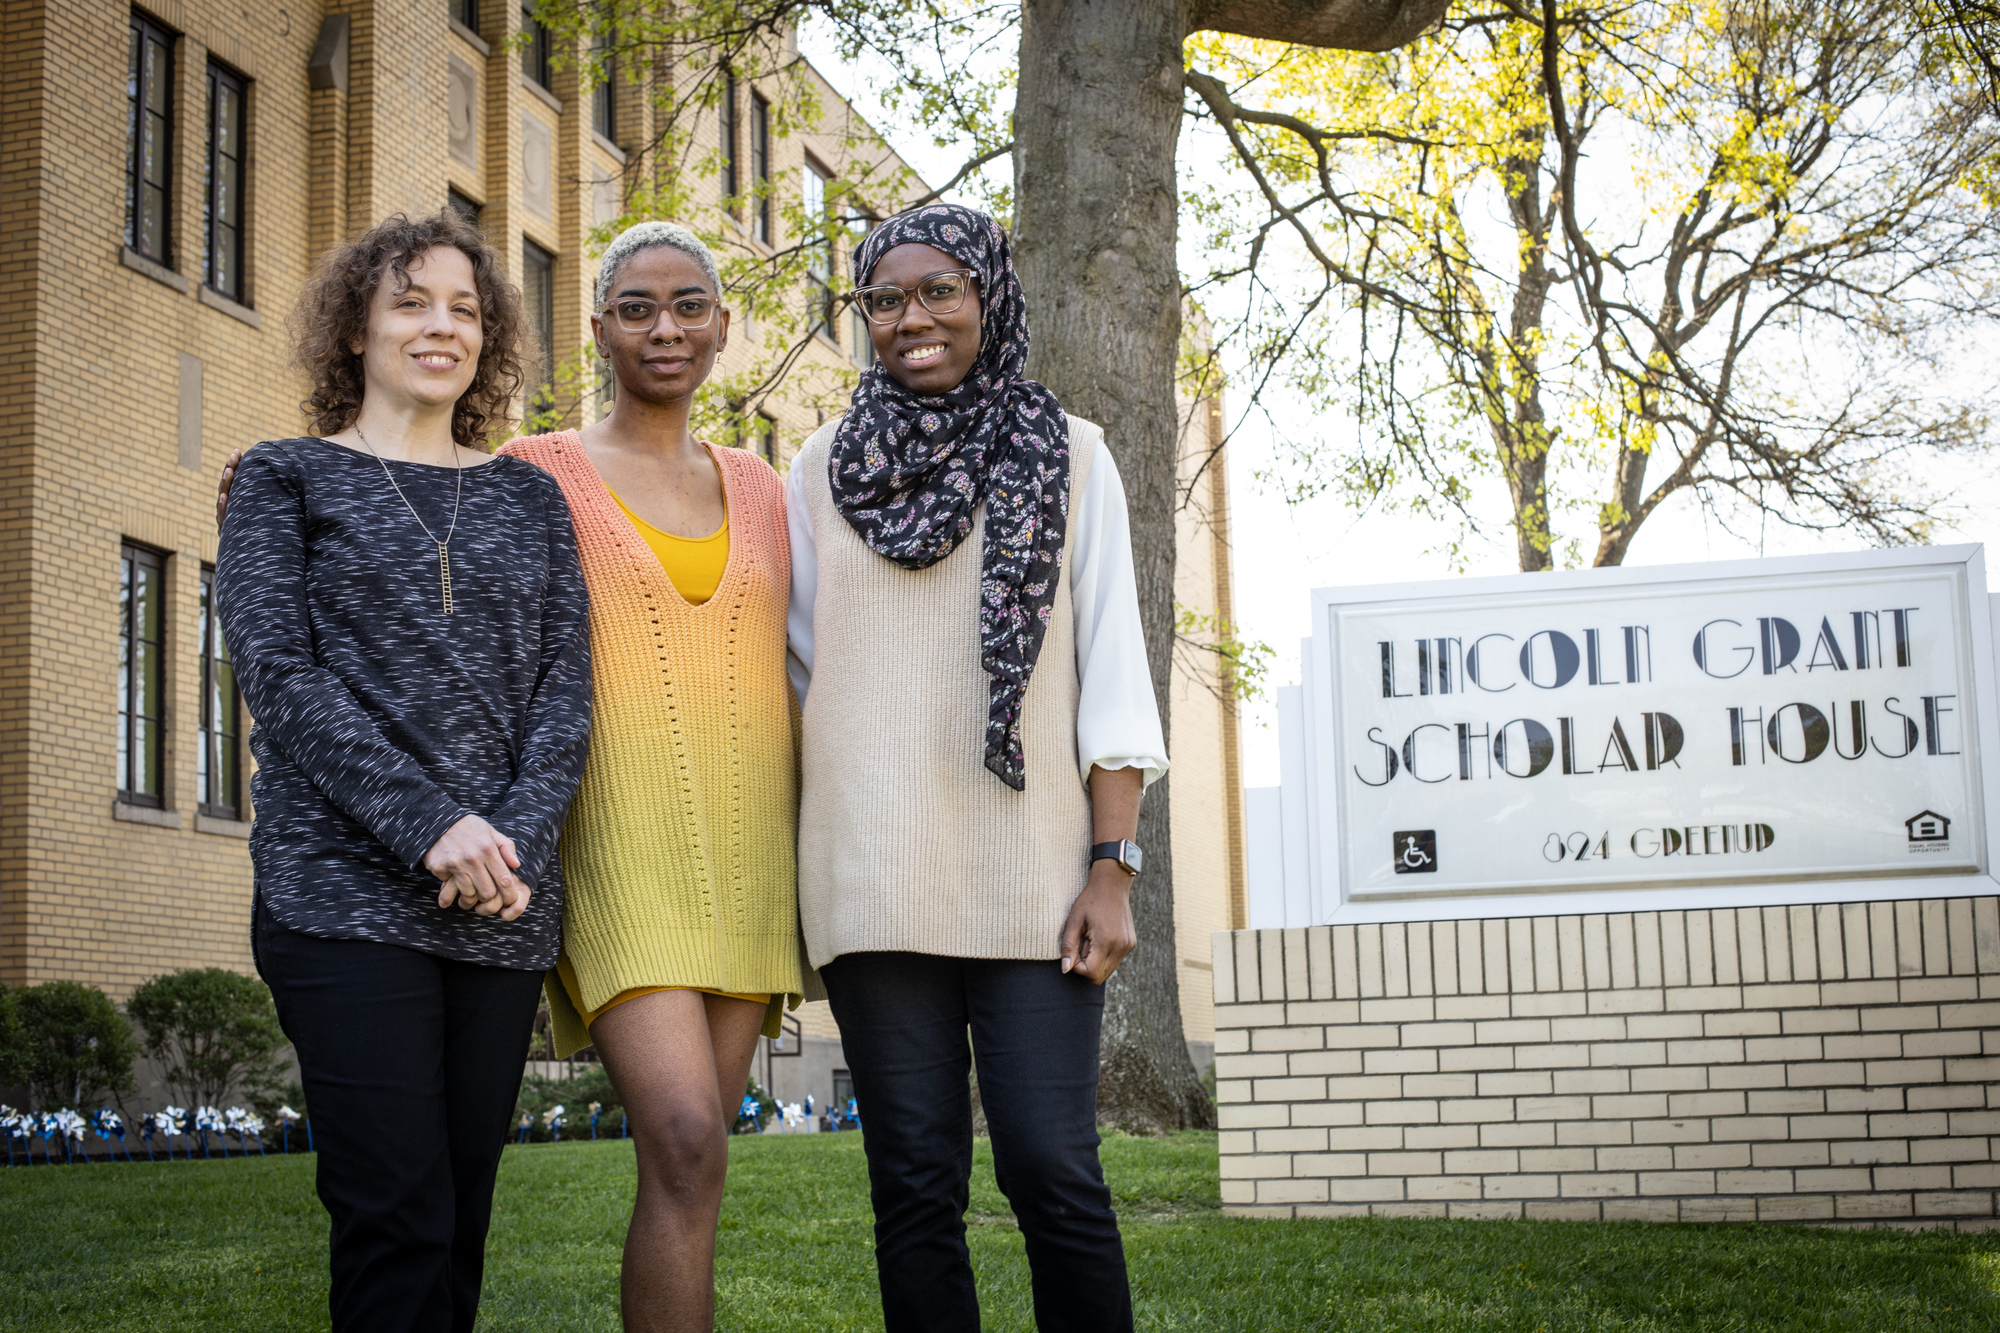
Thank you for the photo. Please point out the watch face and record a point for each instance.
(1133, 856)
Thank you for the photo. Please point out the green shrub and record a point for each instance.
(574, 1095)
(73, 1045)
(13, 1056)
(210, 1030)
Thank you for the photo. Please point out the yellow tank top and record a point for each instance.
(693, 565)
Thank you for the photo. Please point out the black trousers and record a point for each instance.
(411, 1066)
(903, 1019)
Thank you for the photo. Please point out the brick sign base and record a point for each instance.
(1836, 1064)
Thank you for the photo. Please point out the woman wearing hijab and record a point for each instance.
(979, 724)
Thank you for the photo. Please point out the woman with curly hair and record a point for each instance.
(410, 629)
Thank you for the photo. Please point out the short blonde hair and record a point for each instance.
(646, 236)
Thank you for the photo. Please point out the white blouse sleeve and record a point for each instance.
(805, 585)
(1117, 720)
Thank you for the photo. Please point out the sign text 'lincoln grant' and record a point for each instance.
(1808, 724)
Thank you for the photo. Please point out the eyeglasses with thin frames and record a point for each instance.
(690, 314)
(940, 293)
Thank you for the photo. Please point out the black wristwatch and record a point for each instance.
(1125, 852)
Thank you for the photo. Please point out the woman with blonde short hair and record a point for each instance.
(680, 934)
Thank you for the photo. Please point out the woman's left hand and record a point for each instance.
(1099, 932)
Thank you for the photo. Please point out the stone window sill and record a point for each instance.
(158, 272)
(613, 149)
(127, 813)
(228, 828)
(472, 39)
(554, 102)
(215, 300)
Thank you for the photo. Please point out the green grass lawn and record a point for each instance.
(240, 1245)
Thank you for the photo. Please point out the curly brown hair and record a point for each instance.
(332, 317)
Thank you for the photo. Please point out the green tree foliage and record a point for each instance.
(73, 1045)
(1971, 30)
(210, 1030)
(679, 60)
(1612, 254)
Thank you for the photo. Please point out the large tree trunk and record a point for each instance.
(1096, 121)
(1097, 118)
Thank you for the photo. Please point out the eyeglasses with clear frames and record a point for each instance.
(940, 293)
(690, 314)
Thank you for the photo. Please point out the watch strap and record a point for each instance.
(1124, 851)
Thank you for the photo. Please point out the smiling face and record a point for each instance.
(666, 362)
(423, 340)
(927, 354)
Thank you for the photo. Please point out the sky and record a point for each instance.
(1283, 551)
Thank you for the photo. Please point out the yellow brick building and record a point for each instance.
(168, 172)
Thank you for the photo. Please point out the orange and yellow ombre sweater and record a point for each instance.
(680, 853)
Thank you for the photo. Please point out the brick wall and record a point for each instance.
(1836, 1063)
(90, 451)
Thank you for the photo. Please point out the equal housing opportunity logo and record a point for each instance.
(1928, 831)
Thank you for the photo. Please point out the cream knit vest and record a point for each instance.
(906, 841)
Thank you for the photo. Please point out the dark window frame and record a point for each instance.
(760, 166)
(464, 205)
(604, 97)
(468, 15)
(816, 183)
(725, 138)
(540, 310)
(234, 285)
(142, 749)
(864, 343)
(765, 446)
(219, 762)
(536, 53)
(144, 35)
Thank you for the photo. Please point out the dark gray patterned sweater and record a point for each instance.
(379, 720)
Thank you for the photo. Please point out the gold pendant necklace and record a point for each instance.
(443, 547)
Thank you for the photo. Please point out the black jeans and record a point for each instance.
(903, 1020)
(411, 1066)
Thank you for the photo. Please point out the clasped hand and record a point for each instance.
(476, 864)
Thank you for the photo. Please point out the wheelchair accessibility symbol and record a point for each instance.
(1414, 852)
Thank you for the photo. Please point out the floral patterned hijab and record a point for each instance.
(910, 473)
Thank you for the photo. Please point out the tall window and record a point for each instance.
(538, 294)
(142, 694)
(604, 97)
(766, 443)
(725, 134)
(219, 765)
(819, 259)
(468, 14)
(760, 166)
(149, 128)
(222, 199)
(864, 346)
(857, 323)
(535, 55)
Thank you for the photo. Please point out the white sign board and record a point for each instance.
(1743, 732)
